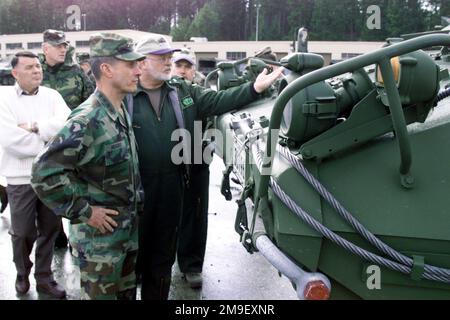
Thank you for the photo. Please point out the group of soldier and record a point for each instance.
(107, 166)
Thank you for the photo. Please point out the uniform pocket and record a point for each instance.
(116, 153)
(117, 168)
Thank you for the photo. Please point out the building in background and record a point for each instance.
(207, 52)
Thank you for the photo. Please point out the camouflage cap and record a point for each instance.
(54, 37)
(184, 55)
(113, 45)
(154, 44)
(83, 57)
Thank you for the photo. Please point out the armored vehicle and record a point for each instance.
(6, 78)
(345, 170)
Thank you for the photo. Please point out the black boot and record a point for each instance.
(61, 239)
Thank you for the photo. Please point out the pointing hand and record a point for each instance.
(264, 80)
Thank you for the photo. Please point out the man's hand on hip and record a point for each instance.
(101, 220)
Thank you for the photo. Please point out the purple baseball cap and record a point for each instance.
(184, 55)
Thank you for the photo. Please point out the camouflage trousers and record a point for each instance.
(107, 261)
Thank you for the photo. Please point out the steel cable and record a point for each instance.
(316, 225)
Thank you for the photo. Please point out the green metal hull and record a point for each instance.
(395, 185)
(413, 221)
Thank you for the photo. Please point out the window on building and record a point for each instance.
(34, 45)
(82, 44)
(17, 45)
(236, 55)
(346, 55)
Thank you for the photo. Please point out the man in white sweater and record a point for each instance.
(29, 116)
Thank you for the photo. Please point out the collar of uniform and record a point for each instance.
(53, 69)
(20, 91)
(110, 110)
(140, 89)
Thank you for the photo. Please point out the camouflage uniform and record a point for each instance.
(67, 78)
(93, 161)
(84, 57)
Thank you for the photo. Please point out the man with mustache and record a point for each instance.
(89, 174)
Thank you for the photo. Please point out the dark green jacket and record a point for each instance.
(69, 80)
(153, 134)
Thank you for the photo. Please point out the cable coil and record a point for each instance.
(402, 263)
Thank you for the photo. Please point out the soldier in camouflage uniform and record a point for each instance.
(66, 77)
(83, 61)
(89, 174)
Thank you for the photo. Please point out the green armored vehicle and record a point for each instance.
(6, 78)
(345, 171)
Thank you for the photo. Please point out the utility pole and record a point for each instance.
(258, 6)
(84, 21)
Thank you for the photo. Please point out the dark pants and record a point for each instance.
(31, 221)
(194, 221)
(158, 232)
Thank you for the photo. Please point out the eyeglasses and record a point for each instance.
(161, 58)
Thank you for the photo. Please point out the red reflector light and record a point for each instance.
(316, 290)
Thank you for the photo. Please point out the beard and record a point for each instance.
(161, 76)
(158, 75)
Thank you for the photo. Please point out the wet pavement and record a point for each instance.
(229, 272)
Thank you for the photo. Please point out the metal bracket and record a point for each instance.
(418, 267)
(321, 110)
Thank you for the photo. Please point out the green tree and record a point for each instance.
(404, 16)
(206, 23)
(180, 32)
(188, 8)
(436, 12)
(162, 25)
(300, 14)
(273, 19)
(232, 15)
(331, 22)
